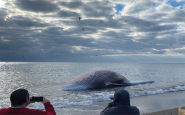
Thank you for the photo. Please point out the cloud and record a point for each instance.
(137, 7)
(72, 4)
(19, 21)
(67, 14)
(43, 6)
(180, 0)
(164, 8)
(51, 31)
(106, 10)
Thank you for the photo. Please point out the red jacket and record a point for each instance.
(25, 111)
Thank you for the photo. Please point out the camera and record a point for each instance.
(37, 99)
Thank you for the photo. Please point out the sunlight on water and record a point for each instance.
(47, 78)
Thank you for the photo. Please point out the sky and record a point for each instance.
(107, 31)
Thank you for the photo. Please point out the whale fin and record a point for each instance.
(139, 82)
(113, 84)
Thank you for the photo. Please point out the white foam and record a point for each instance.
(68, 104)
(102, 93)
(85, 96)
(160, 91)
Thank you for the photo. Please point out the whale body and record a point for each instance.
(99, 79)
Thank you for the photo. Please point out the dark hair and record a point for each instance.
(18, 97)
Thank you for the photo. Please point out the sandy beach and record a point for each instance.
(160, 104)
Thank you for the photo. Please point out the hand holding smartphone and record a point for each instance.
(37, 99)
(45, 100)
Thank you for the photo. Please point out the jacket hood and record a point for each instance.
(121, 97)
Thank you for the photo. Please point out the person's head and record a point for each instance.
(19, 97)
(121, 97)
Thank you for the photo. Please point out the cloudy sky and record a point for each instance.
(108, 31)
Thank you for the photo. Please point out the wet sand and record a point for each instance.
(160, 104)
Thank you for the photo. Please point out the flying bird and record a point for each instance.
(79, 18)
(9, 17)
(82, 29)
(126, 21)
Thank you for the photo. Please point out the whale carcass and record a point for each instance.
(98, 79)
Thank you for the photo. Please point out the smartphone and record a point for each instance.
(37, 99)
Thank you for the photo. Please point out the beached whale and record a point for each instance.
(99, 79)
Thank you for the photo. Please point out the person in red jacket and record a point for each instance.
(20, 100)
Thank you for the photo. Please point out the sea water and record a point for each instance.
(46, 79)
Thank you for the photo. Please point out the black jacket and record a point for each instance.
(120, 105)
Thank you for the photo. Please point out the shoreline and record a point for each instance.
(159, 104)
(173, 111)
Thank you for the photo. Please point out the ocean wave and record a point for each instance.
(160, 91)
(69, 104)
(108, 95)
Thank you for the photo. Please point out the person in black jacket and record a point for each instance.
(120, 105)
